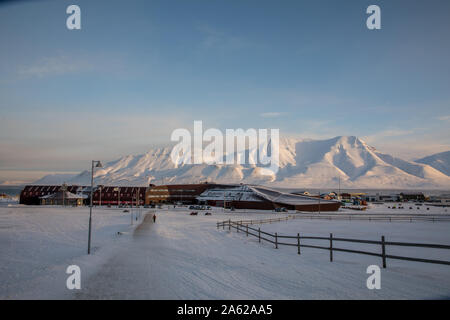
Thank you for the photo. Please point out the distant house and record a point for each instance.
(346, 196)
(63, 198)
(390, 198)
(443, 199)
(380, 197)
(412, 196)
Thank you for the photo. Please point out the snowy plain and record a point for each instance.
(186, 257)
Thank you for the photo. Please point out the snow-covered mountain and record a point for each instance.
(303, 163)
(439, 161)
(55, 179)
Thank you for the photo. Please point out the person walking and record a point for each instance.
(154, 218)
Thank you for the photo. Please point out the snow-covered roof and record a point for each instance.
(67, 195)
(285, 198)
(258, 193)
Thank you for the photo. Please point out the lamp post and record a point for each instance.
(63, 189)
(97, 164)
(101, 190)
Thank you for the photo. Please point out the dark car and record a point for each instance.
(194, 213)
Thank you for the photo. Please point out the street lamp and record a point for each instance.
(97, 164)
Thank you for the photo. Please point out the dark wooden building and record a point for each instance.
(110, 195)
(183, 193)
(31, 195)
(103, 195)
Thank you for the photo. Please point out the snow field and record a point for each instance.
(186, 257)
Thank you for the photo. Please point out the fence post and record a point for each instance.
(383, 252)
(217, 226)
(229, 224)
(276, 240)
(331, 247)
(259, 235)
(247, 230)
(223, 225)
(237, 227)
(298, 243)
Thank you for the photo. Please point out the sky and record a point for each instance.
(137, 70)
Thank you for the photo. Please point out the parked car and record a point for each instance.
(207, 213)
(194, 213)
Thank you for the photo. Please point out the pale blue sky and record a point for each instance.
(139, 69)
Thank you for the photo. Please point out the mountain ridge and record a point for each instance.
(302, 163)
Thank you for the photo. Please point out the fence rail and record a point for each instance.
(374, 217)
(274, 238)
(356, 216)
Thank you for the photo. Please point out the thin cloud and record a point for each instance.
(444, 118)
(271, 114)
(387, 134)
(52, 66)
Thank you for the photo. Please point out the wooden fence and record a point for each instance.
(374, 217)
(243, 226)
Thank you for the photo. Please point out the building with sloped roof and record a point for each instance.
(63, 198)
(263, 198)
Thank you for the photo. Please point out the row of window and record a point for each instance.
(167, 196)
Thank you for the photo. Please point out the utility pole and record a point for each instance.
(63, 189)
(98, 164)
(138, 202)
(319, 201)
(339, 192)
(131, 209)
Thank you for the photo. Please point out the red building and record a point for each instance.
(103, 195)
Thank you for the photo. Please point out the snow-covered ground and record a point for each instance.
(186, 257)
(37, 243)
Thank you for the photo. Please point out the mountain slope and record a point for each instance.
(303, 163)
(55, 179)
(439, 161)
